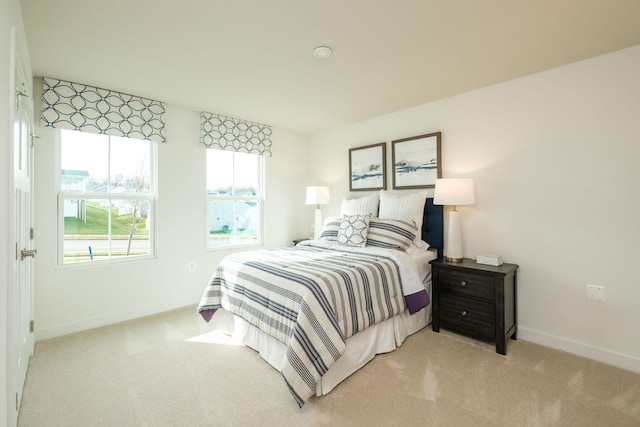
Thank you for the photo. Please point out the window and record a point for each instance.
(234, 191)
(107, 197)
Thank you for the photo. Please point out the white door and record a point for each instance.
(23, 219)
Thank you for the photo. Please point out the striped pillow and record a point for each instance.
(391, 233)
(331, 228)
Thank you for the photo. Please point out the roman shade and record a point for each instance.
(75, 106)
(231, 134)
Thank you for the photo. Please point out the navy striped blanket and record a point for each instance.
(311, 299)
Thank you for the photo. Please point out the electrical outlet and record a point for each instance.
(595, 293)
(191, 266)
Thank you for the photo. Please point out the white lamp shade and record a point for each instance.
(454, 191)
(317, 195)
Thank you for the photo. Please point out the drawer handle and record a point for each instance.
(464, 313)
(463, 283)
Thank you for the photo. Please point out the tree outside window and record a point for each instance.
(107, 197)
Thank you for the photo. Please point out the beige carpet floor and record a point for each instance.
(172, 370)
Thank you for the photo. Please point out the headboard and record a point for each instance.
(433, 226)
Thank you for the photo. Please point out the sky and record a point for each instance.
(89, 152)
(221, 171)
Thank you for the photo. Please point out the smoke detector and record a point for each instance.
(322, 52)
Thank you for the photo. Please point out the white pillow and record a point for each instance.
(410, 206)
(367, 205)
(353, 230)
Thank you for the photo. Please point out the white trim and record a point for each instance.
(112, 318)
(151, 197)
(609, 357)
(8, 408)
(259, 198)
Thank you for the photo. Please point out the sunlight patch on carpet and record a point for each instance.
(215, 337)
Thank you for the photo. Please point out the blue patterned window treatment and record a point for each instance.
(230, 134)
(75, 106)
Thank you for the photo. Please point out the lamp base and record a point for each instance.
(317, 228)
(454, 238)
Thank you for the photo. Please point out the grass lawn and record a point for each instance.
(98, 221)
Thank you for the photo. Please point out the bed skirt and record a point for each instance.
(382, 337)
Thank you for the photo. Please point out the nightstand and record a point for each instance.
(296, 241)
(475, 300)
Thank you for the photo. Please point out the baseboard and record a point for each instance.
(609, 357)
(105, 320)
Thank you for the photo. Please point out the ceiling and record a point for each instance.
(252, 59)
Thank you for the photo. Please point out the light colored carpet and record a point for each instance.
(166, 370)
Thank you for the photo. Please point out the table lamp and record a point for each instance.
(454, 192)
(317, 196)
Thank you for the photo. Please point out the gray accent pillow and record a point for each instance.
(353, 230)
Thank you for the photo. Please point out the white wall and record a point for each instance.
(554, 157)
(69, 300)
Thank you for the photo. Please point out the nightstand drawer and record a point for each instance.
(467, 315)
(466, 283)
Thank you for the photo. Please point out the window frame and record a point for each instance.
(151, 197)
(259, 198)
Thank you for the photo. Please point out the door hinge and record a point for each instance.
(31, 233)
(16, 251)
(17, 402)
(20, 93)
(32, 325)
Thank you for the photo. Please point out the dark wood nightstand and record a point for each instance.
(476, 300)
(296, 241)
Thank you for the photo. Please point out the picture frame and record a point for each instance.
(417, 161)
(368, 167)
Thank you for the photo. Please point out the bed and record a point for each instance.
(319, 311)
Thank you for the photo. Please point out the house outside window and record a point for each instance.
(235, 198)
(107, 198)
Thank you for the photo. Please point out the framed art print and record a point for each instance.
(368, 167)
(416, 161)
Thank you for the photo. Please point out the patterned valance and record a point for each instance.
(229, 134)
(75, 106)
